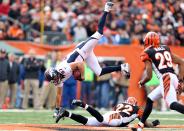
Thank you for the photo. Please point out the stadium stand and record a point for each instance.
(128, 24)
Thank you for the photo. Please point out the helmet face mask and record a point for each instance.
(151, 39)
(52, 76)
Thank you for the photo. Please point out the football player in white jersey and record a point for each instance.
(83, 52)
(121, 116)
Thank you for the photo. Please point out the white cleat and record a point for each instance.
(125, 69)
(108, 6)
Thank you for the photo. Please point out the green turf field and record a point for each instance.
(45, 117)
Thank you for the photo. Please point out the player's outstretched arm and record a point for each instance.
(78, 66)
(58, 97)
(148, 73)
(58, 101)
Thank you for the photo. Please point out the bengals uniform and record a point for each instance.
(122, 115)
(162, 65)
(160, 59)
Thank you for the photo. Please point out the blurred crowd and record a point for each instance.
(22, 84)
(65, 20)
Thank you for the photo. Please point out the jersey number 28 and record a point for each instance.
(165, 59)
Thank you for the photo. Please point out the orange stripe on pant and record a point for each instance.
(166, 84)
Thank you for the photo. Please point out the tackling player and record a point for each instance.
(160, 59)
(121, 116)
(83, 52)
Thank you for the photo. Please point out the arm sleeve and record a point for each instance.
(144, 56)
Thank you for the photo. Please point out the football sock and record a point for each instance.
(73, 57)
(101, 23)
(67, 113)
(177, 107)
(95, 113)
(110, 69)
(81, 119)
(147, 110)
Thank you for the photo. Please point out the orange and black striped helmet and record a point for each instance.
(132, 101)
(152, 38)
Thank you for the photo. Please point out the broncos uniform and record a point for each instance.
(84, 52)
(162, 65)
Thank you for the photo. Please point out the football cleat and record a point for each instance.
(108, 6)
(125, 69)
(60, 115)
(78, 103)
(156, 122)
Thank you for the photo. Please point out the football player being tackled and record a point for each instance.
(73, 64)
(121, 116)
(160, 59)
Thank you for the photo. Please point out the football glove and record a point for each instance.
(56, 112)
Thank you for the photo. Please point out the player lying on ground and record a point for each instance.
(160, 59)
(83, 52)
(122, 115)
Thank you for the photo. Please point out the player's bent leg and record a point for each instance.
(177, 107)
(109, 69)
(147, 112)
(113, 118)
(73, 57)
(93, 122)
(78, 118)
(91, 110)
(86, 47)
(154, 95)
(171, 95)
(76, 102)
(94, 113)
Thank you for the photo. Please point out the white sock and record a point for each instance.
(70, 114)
(86, 106)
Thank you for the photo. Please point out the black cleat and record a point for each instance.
(60, 115)
(78, 103)
(156, 122)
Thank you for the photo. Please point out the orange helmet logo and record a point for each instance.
(151, 38)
